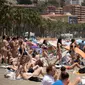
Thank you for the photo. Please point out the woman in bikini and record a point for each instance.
(28, 70)
(59, 48)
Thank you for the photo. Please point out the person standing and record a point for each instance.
(59, 49)
(64, 80)
(72, 49)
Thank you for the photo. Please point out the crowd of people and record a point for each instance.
(28, 60)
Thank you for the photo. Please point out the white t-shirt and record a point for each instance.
(47, 80)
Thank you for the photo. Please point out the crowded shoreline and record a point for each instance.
(26, 58)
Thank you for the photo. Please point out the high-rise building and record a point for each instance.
(73, 2)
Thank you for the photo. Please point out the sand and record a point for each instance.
(5, 81)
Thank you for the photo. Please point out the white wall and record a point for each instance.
(74, 2)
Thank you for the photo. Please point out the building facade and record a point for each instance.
(73, 2)
(76, 10)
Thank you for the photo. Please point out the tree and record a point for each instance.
(83, 3)
(53, 2)
(62, 3)
(4, 16)
(17, 21)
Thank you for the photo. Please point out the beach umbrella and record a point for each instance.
(79, 41)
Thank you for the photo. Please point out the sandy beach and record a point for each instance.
(5, 81)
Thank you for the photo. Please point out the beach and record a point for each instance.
(5, 81)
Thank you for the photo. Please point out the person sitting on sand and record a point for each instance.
(77, 59)
(51, 75)
(72, 66)
(63, 69)
(28, 70)
(23, 64)
(64, 80)
(35, 73)
(14, 66)
(11, 68)
(72, 47)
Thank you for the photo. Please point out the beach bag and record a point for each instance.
(36, 79)
(82, 70)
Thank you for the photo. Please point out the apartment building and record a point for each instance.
(59, 10)
(76, 10)
(73, 2)
(53, 9)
